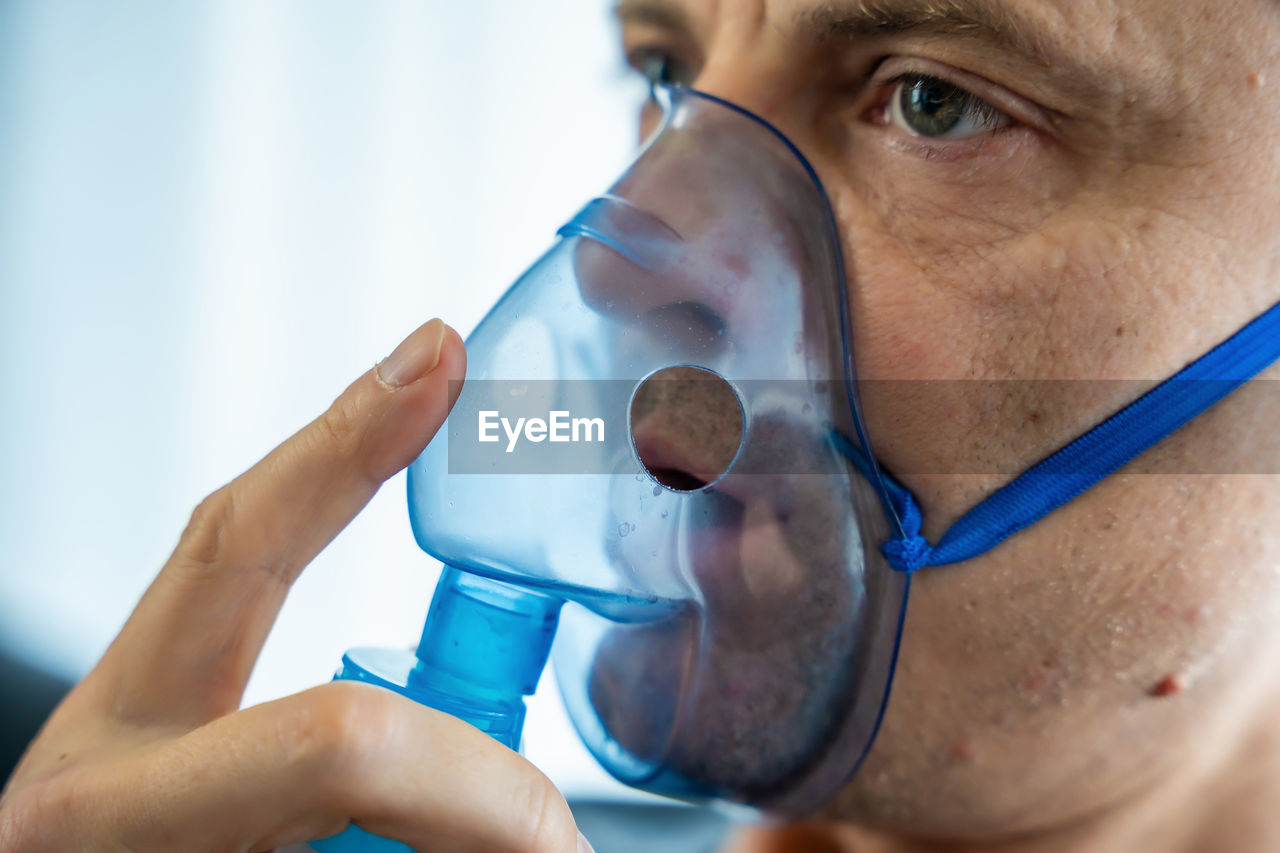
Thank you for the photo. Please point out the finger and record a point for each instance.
(187, 650)
(303, 767)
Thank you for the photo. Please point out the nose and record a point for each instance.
(709, 237)
(747, 78)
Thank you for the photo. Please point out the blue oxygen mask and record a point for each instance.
(652, 443)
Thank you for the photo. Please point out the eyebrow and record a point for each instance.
(853, 19)
(979, 19)
(656, 12)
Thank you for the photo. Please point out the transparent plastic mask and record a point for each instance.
(731, 627)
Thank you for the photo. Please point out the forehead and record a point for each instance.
(1027, 18)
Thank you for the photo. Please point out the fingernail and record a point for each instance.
(416, 356)
(584, 846)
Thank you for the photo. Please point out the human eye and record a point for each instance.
(660, 67)
(930, 107)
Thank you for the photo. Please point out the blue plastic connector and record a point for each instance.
(483, 649)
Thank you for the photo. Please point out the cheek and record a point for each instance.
(945, 291)
(990, 327)
(1078, 663)
(979, 336)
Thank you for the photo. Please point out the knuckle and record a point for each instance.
(202, 539)
(340, 730)
(548, 825)
(340, 425)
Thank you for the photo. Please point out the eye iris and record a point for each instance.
(932, 107)
(656, 69)
(660, 69)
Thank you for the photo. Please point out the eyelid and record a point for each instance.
(1017, 108)
(636, 57)
(639, 39)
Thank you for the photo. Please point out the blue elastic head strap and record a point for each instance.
(1070, 471)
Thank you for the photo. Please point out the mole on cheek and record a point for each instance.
(963, 751)
(1171, 685)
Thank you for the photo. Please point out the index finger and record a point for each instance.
(187, 650)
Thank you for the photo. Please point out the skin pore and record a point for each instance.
(1046, 207)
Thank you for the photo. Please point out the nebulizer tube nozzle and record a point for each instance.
(483, 649)
(485, 640)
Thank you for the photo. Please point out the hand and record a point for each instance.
(149, 753)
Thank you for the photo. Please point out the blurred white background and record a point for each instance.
(213, 216)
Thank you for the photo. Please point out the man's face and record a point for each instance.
(1037, 198)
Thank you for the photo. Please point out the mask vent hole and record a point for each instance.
(686, 426)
